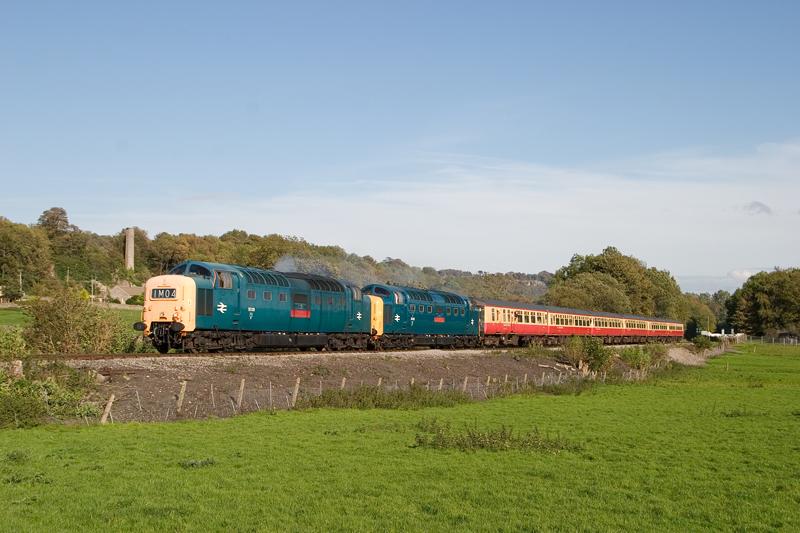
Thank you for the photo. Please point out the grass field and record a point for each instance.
(15, 316)
(710, 448)
(12, 317)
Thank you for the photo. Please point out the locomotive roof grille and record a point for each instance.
(317, 283)
(419, 296)
(262, 277)
(450, 298)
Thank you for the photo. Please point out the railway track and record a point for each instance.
(264, 353)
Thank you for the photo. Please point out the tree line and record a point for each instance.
(54, 252)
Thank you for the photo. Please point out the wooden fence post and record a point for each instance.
(107, 410)
(213, 403)
(270, 395)
(296, 392)
(344, 380)
(181, 395)
(525, 380)
(412, 382)
(464, 386)
(441, 383)
(380, 380)
(241, 395)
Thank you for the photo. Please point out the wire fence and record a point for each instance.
(784, 339)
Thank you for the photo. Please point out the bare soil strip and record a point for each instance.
(147, 388)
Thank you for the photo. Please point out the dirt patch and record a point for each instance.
(147, 388)
(684, 356)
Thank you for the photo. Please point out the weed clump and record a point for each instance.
(197, 463)
(441, 436)
(586, 350)
(50, 391)
(367, 397)
(533, 350)
(12, 343)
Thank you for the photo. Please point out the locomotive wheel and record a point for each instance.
(162, 348)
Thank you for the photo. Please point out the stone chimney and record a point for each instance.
(129, 248)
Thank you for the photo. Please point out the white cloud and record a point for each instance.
(491, 214)
(757, 208)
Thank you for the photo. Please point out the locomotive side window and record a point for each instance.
(430, 309)
(267, 296)
(178, 270)
(412, 307)
(282, 297)
(318, 300)
(251, 294)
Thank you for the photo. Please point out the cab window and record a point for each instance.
(199, 271)
(224, 280)
(178, 270)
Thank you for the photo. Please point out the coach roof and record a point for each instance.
(568, 310)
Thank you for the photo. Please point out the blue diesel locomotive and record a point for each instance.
(207, 307)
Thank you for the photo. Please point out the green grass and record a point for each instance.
(710, 448)
(12, 317)
(15, 316)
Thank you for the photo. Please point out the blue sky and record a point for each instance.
(404, 129)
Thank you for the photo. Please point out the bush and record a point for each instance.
(137, 299)
(12, 343)
(597, 355)
(51, 390)
(702, 343)
(572, 351)
(635, 357)
(68, 324)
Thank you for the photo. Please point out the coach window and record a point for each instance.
(267, 296)
(251, 294)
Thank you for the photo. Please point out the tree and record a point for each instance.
(595, 291)
(54, 221)
(768, 303)
(25, 253)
